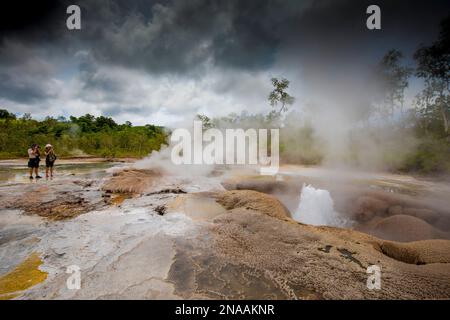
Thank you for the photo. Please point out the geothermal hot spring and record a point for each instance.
(150, 230)
(316, 207)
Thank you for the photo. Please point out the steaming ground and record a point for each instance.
(124, 249)
(148, 231)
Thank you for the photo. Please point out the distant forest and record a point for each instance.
(391, 135)
(83, 136)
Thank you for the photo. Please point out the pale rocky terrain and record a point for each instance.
(146, 234)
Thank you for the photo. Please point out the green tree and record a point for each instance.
(434, 68)
(279, 94)
(86, 135)
(103, 122)
(86, 122)
(206, 121)
(5, 114)
(394, 80)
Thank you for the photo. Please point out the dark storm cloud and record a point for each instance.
(326, 40)
(24, 77)
(179, 35)
(23, 90)
(92, 79)
(32, 21)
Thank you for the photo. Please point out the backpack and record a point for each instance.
(52, 157)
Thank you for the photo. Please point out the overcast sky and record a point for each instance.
(162, 61)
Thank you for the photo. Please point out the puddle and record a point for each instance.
(197, 206)
(118, 198)
(19, 173)
(399, 187)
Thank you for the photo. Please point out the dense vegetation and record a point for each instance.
(391, 135)
(85, 135)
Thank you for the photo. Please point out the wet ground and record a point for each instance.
(16, 171)
(121, 242)
(171, 238)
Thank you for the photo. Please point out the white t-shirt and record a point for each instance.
(31, 154)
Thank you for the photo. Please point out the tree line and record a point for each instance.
(78, 136)
(408, 138)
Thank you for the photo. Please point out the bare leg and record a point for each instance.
(36, 171)
(51, 171)
(46, 172)
(31, 172)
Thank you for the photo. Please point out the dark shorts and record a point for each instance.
(33, 163)
(49, 164)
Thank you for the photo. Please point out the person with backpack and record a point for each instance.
(50, 158)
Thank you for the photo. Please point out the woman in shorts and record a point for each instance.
(33, 160)
(50, 158)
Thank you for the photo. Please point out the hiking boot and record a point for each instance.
(31, 178)
(38, 177)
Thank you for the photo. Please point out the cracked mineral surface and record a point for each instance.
(144, 234)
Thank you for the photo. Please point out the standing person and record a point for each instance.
(50, 158)
(33, 160)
